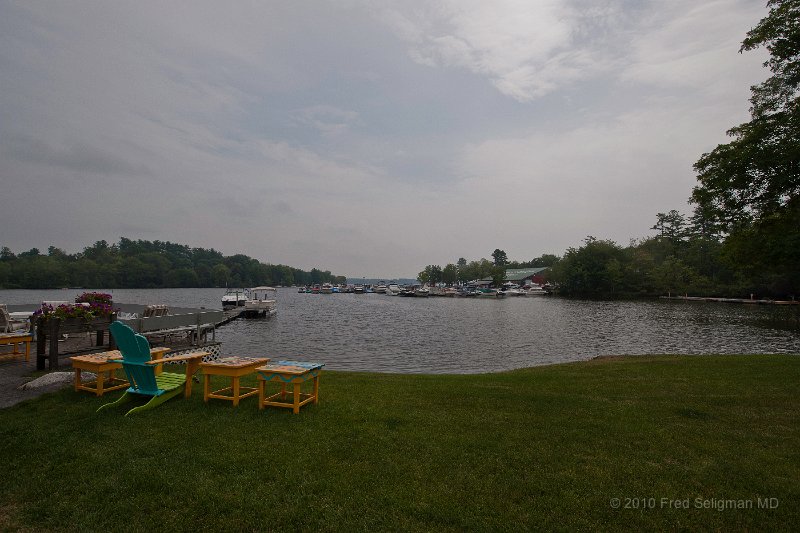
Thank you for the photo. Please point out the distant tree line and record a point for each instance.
(145, 264)
(462, 271)
(684, 257)
(681, 259)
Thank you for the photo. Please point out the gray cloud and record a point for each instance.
(368, 138)
(74, 156)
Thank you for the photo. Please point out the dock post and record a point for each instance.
(41, 343)
(54, 324)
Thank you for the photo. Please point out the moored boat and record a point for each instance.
(261, 302)
(234, 298)
(535, 290)
(511, 289)
(490, 293)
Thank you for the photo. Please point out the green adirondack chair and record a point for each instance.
(140, 370)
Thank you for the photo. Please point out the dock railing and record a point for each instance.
(196, 324)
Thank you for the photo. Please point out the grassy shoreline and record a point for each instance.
(547, 447)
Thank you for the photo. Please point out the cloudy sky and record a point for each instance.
(367, 137)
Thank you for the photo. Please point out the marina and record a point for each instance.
(467, 290)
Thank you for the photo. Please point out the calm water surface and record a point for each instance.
(374, 332)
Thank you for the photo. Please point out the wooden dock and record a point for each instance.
(230, 315)
(751, 301)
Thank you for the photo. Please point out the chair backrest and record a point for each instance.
(155, 310)
(5, 319)
(135, 352)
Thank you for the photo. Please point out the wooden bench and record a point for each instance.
(15, 339)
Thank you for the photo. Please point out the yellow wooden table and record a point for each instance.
(104, 365)
(288, 372)
(15, 339)
(234, 367)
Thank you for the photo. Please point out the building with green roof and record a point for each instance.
(524, 276)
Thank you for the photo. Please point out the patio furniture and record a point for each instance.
(104, 365)
(235, 367)
(140, 369)
(16, 339)
(9, 324)
(288, 372)
(155, 310)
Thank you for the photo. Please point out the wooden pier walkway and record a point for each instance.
(731, 300)
(230, 315)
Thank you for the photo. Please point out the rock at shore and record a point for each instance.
(55, 378)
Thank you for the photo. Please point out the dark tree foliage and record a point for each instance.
(595, 269)
(499, 257)
(145, 264)
(757, 174)
(749, 188)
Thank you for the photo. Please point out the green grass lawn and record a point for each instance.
(549, 447)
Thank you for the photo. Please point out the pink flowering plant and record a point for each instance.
(99, 306)
(94, 297)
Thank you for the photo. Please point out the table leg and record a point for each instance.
(206, 387)
(235, 391)
(262, 385)
(316, 389)
(99, 381)
(283, 391)
(27, 351)
(296, 407)
(192, 367)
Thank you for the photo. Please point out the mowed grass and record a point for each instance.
(543, 448)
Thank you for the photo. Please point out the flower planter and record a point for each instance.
(52, 328)
(81, 325)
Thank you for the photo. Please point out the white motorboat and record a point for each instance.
(535, 290)
(358, 289)
(381, 289)
(393, 289)
(511, 289)
(326, 288)
(234, 298)
(261, 302)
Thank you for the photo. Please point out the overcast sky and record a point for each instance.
(369, 138)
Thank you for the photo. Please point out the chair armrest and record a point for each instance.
(187, 357)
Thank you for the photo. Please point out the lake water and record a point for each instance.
(374, 332)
